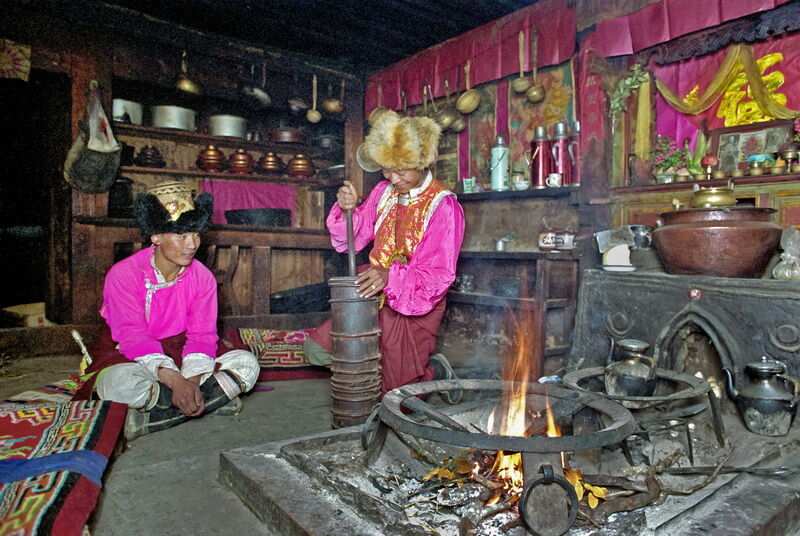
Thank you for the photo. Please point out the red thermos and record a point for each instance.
(560, 150)
(542, 161)
(574, 150)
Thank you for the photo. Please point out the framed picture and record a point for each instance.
(734, 145)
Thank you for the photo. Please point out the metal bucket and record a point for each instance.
(369, 365)
(351, 314)
(350, 347)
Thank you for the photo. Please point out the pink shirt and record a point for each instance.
(187, 304)
(413, 288)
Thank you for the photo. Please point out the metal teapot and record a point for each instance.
(765, 404)
(630, 373)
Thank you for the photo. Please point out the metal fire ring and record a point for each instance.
(547, 476)
(622, 421)
(695, 386)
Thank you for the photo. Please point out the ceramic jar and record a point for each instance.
(301, 166)
(270, 163)
(210, 159)
(240, 162)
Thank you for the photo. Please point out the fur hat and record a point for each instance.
(153, 218)
(397, 142)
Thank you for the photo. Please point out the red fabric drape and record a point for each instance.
(492, 49)
(668, 19)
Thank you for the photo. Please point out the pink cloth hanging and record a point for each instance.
(230, 195)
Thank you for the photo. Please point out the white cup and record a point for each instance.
(553, 180)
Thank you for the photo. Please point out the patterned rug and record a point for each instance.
(280, 353)
(52, 459)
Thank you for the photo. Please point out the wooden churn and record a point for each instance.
(355, 367)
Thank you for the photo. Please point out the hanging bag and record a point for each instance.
(93, 160)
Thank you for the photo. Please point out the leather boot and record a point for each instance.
(164, 415)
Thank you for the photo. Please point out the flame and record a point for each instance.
(516, 371)
(552, 428)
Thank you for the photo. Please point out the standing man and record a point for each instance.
(416, 227)
(160, 352)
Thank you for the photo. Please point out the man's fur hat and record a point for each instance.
(153, 218)
(398, 143)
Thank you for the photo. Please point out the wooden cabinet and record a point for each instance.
(479, 324)
(644, 204)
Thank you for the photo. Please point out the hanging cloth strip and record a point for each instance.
(740, 57)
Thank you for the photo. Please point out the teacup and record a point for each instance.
(554, 180)
(521, 184)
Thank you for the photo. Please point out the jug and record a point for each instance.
(631, 373)
(765, 404)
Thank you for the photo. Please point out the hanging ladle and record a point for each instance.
(182, 82)
(469, 100)
(313, 115)
(334, 105)
(522, 83)
(379, 110)
(446, 114)
(535, 93)
(460, 123)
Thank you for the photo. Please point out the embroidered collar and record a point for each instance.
(414, 193)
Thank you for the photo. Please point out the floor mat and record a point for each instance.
(279, 352)
(56, 455)
(60, 392)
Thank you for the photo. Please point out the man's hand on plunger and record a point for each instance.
(347, 196)
(372, 280)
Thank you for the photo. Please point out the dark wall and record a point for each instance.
(35, 123)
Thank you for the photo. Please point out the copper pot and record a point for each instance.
(300, 166)
(210, 159)
(286, 135)
(270, 163)
(724, 242)
(240, 162)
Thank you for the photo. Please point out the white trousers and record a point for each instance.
(133, 384)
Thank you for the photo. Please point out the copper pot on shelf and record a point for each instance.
(240, 162)
(717, 241)
(286, 135)
(301, 166)
(211, 159)
(271, 163)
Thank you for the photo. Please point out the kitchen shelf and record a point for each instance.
(519, 255)
(225, 176)
(172, 134)
(131, 223)
(563, 191)
(688, 185)
(479, 298)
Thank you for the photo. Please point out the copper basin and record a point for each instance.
(724, 241)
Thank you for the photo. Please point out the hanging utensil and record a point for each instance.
(460, 123)
(256, 95)
(535, 93)
(313, 115)
(522, 83)
(379, 110)
(296, 104)
(447, 114)
(469, 100)
(182, 82)
(333, 105)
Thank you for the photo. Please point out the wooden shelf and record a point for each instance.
(688, 185)
(139, 131)
(564, 191)
(129, 223)
(480, 298)
(313, 181)
(520, 255)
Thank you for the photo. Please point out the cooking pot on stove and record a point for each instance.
(632, 373)
(765, 404)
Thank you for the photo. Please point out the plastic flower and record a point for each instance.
(796, 125)
(667, 156)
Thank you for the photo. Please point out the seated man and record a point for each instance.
(416, 227)
(160, 353)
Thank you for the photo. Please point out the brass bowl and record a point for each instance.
(737, 173)
(719, 174)
(795, 168)
(714, 197)
(777, 170)
(699, 176)
(756, 171)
